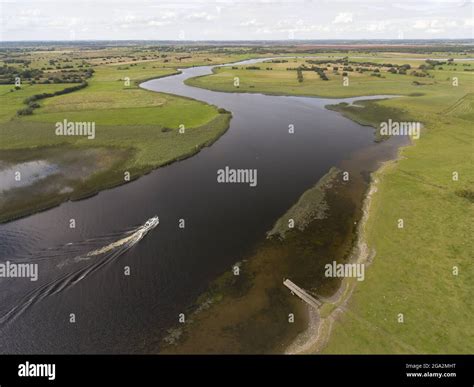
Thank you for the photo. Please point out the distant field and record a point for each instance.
(166, 57)
(107, 101)
(274, 78)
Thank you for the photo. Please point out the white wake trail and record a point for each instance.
(109, 253)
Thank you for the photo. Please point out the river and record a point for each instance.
(170, 266)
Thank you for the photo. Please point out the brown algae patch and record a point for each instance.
(317, 335)
(253, 312)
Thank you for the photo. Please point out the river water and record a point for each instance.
(101, 310)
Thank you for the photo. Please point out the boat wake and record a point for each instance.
(95, 260)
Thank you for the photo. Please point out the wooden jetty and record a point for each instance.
(301, 293)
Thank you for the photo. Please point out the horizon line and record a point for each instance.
(244, 40)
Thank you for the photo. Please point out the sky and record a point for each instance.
(235, 19)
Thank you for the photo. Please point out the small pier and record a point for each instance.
(301, 293)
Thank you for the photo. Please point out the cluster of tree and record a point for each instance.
(384, 46)
(252, 68)
(68, 76)
(399, 69)
(28, 110)
(419, 74)
(299, 75)
(32, 104)
(416, 83)
(321, 73)
(451, 63)
(433, 62)
(430, 64)
(303, 67)
(24, 62)
(361, 66)
(335, 61)
(8, 74)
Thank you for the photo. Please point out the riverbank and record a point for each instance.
(113, 166)
(385, 313)
(320, 325)
(414, 296)
(136, 131)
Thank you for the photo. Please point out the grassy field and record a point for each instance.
(136, 130)
(413, 269)
(274, 78)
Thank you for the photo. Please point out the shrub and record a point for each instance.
(25, 111)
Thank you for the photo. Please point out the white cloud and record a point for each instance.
(429, 6)
(377, 26)
(200, 16)
(158, 23)
(435, 26)
(64, 22)
(30, 12)
(251, 23)
(469, 22)
(343, 18)
(230, 19)
(166, 15)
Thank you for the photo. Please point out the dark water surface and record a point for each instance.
(170, 266)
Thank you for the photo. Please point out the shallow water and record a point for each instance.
(24, 174)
